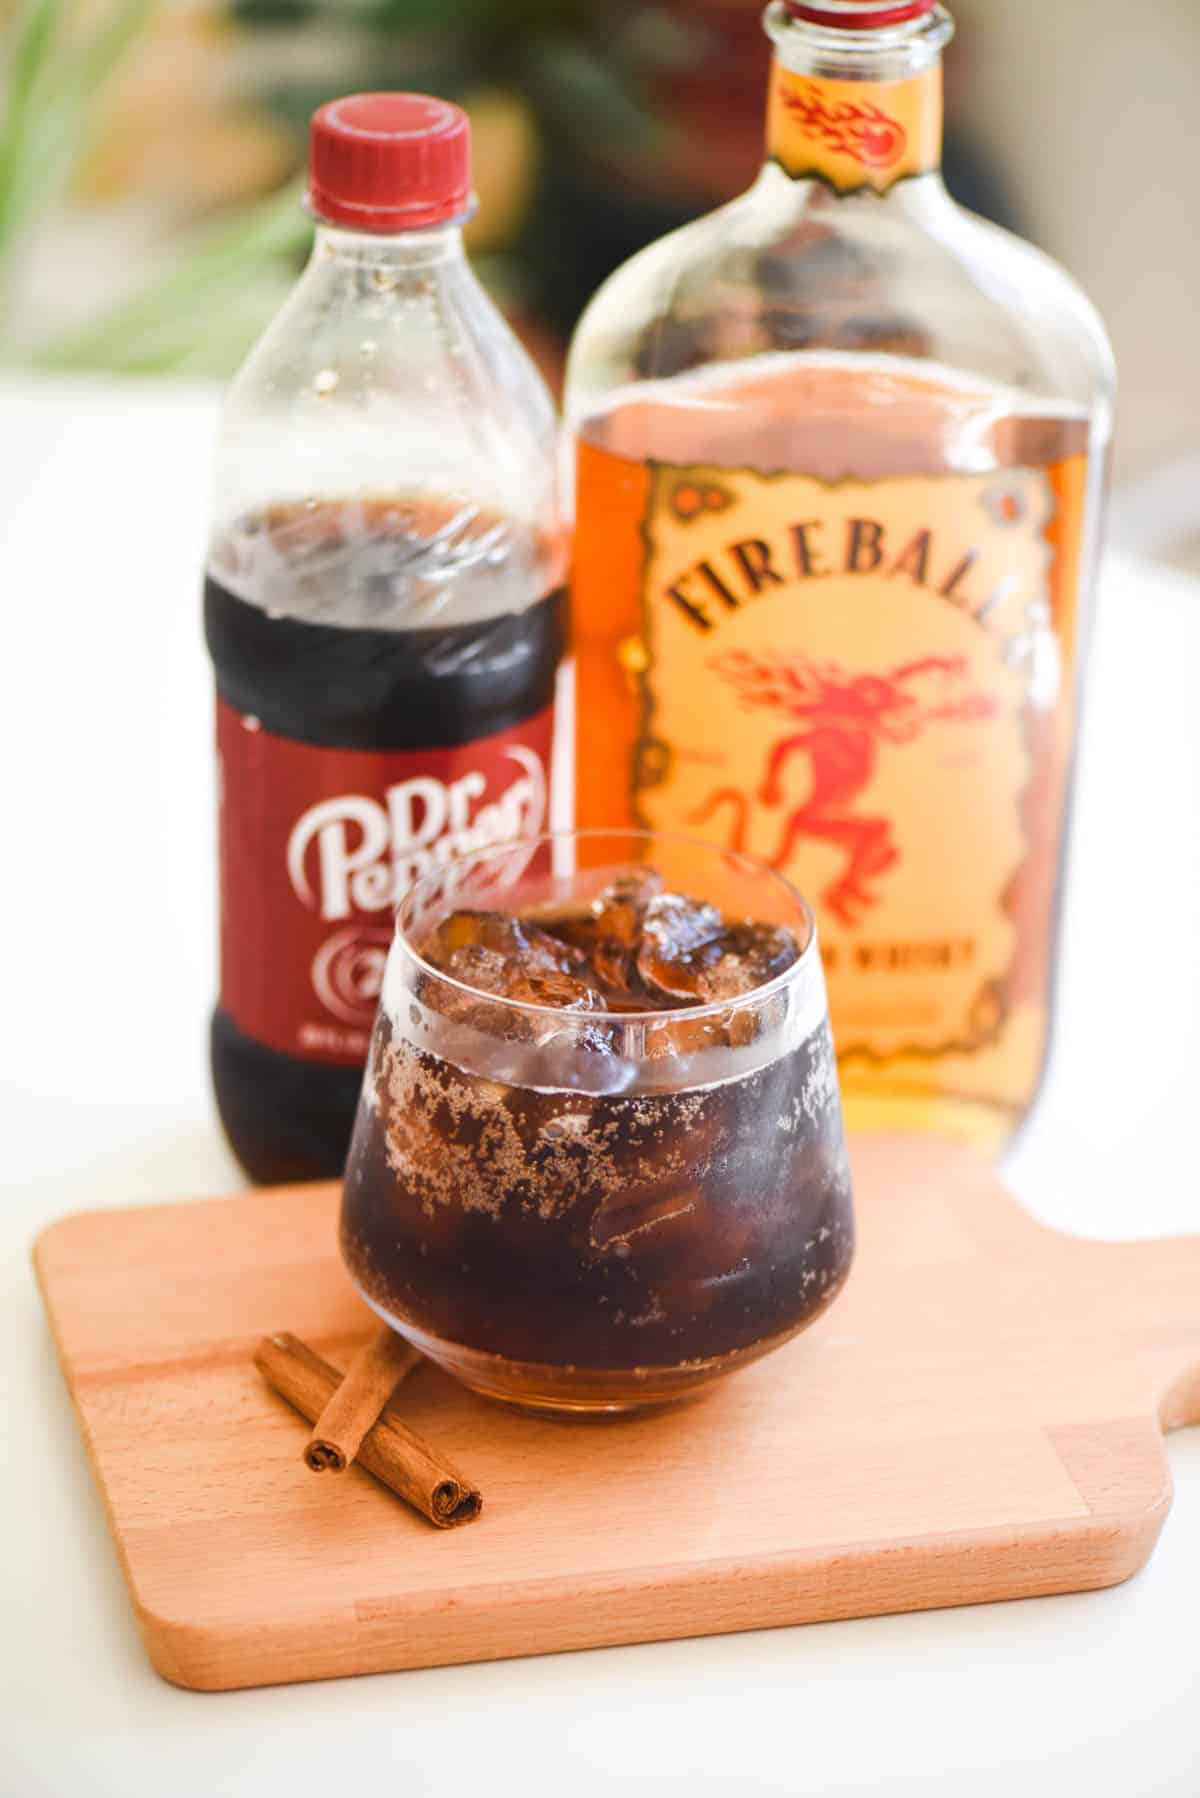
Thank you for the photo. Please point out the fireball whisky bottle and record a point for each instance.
(840, 452)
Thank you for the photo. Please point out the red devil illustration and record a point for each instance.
(844, 719)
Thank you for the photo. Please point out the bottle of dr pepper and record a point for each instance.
(384, 609)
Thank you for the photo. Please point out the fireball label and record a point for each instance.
(319, 845)
(838, 678)
(855, 134)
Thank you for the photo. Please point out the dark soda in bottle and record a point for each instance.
(385, 614)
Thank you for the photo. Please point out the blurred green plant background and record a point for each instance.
(151, 155)
(151, 160)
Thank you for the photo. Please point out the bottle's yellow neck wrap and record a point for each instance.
(855, 134)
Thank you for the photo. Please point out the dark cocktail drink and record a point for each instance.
(599, 1159)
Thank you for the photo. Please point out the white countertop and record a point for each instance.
(106, 979)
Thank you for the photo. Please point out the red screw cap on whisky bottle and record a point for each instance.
(858, 15)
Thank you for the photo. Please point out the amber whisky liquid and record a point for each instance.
(826, 610)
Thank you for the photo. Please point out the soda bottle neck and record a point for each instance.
(389, 252)
(856, 109)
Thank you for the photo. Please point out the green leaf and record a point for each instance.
(51, 94)
(32, 47)
(169, 323)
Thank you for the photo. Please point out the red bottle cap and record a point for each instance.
(858, 15)
(389, 162)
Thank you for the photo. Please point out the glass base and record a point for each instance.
(565, 1391)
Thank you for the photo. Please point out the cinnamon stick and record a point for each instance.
(396, 1456)
(369, 1382)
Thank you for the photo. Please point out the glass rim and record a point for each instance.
(711, 1008)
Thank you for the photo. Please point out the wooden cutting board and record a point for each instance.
(978, 1417)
